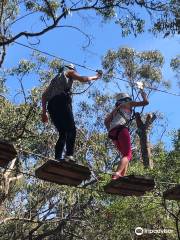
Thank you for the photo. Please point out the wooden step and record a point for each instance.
(7, 153)
(63, 173)
(130, 185)
(172, 193)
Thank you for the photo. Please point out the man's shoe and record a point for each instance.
(69, 159)
(59, 159)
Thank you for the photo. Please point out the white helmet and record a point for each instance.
(70, 66)
(122, 96)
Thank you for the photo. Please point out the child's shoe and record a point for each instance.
(116, 175)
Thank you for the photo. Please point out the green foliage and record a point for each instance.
(131, 66)
(40, 210)
(24, 67)
(2, 85)
(175, 63)
(168, 24)
(133, 17)
(34, 209)
(177, 141)
(131, 24)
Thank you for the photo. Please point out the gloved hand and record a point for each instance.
(140, 85)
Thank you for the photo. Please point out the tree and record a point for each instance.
(175, 65)
(172, 168)
(51, 14)
(35, 209)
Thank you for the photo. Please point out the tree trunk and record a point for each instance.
(143, 131)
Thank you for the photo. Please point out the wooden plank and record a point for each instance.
(75, 166)
(7, 147)
(61, 167)
(64, 173)
(54, 178)
(123, 192)
(144, 180)
(173, 193)
(3, 163)
(5, 159)
(133, 182)
(130, 185)
(67, 165)
(7, 153)
(127, 183)
(6, 150)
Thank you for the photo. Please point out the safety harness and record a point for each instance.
(113, 134)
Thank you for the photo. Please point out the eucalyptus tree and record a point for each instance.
(175, 65)
(17, 17)
(34, 209)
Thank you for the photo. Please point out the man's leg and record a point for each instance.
(71, 131)
(70, 141)
(57, 111)
(60, 145)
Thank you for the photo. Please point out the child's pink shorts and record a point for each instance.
(123, 142)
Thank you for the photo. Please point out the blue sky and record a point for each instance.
(67, 43)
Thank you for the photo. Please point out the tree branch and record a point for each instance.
(3, 54)
(9, 170)
(5, 41)
(18, 19)
(50, 10)
(150, 119)
(139, 122)
(78, 29)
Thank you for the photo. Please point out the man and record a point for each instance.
(57, 99)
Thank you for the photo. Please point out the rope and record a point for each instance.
(52, 55)
(91, 69)
(50, 158)
(78, 187)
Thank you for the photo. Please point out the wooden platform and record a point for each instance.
(7, 153)
(63, 173)
(130, 185)
(173, 193)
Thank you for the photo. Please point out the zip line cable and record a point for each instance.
(52, 55)
(91, 69)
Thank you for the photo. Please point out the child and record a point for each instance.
(116, 123)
